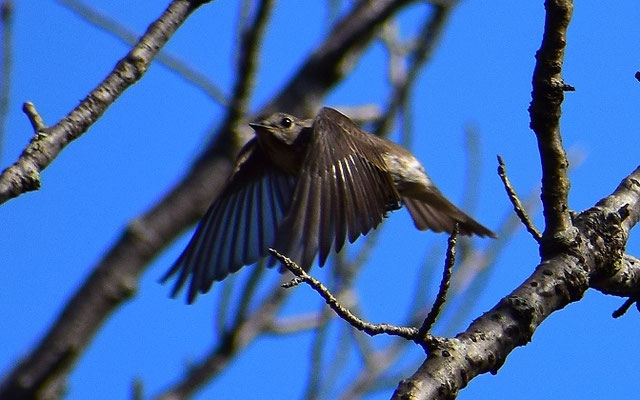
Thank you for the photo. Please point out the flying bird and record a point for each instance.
(303, 187)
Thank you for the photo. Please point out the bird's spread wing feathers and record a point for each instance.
(343, 190)
(240, 225)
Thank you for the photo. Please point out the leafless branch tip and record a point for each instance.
(625, 307)
(36, 120)
(408, 333)
(517, 204)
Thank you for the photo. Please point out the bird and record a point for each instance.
(303, 187)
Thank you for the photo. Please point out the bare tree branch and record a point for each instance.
(517, 205)
(114, 279)
(426, 42)
(330, 62)
(556, 282)
(250, 37)
(472, 275)
(103, 22)
(625, 282)
(296, 324)
(24, 174)
(579, 250)
(444, 284)
(37, 123)
(575, 253)
(545, 111)
(409, 333)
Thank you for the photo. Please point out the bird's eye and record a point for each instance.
(286, 122)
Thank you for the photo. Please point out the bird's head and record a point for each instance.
(280, 126)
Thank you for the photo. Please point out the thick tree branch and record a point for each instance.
(114, 279)
(625, 282)
(556, 282)
(545, 111)
(334, 58)
(24, 174)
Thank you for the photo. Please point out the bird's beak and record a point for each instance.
(258, 126)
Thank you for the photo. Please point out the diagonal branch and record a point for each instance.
(517, 204)
(24, 174)
(625, 282)
(409, 333)
(113, 27)
(427, 40)
(556, 282)
(249, 42)
(334, 58)
(115, 277)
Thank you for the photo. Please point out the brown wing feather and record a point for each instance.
(343, 164)
(239, 226)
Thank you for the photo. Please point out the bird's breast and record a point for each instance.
(288, 158)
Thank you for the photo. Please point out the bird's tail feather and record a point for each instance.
(438, 214)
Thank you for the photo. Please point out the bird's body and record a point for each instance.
(303, 187)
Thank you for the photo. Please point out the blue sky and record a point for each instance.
(480, 76)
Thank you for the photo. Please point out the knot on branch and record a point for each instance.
(565, 241)
(603, 234)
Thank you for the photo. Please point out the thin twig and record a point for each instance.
(224, 304)
(426, 43)
(517, 205)
(409, 333)
(474, 273)
(444, 284)
(320, 378)
(473, 168)
(624, 307)
(248, 292)
(340, 358)
(115, 28)
(472, 182)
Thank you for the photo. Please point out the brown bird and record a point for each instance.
(303, 187)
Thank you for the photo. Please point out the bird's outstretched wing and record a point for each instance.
(240, 225)
(343, 190)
